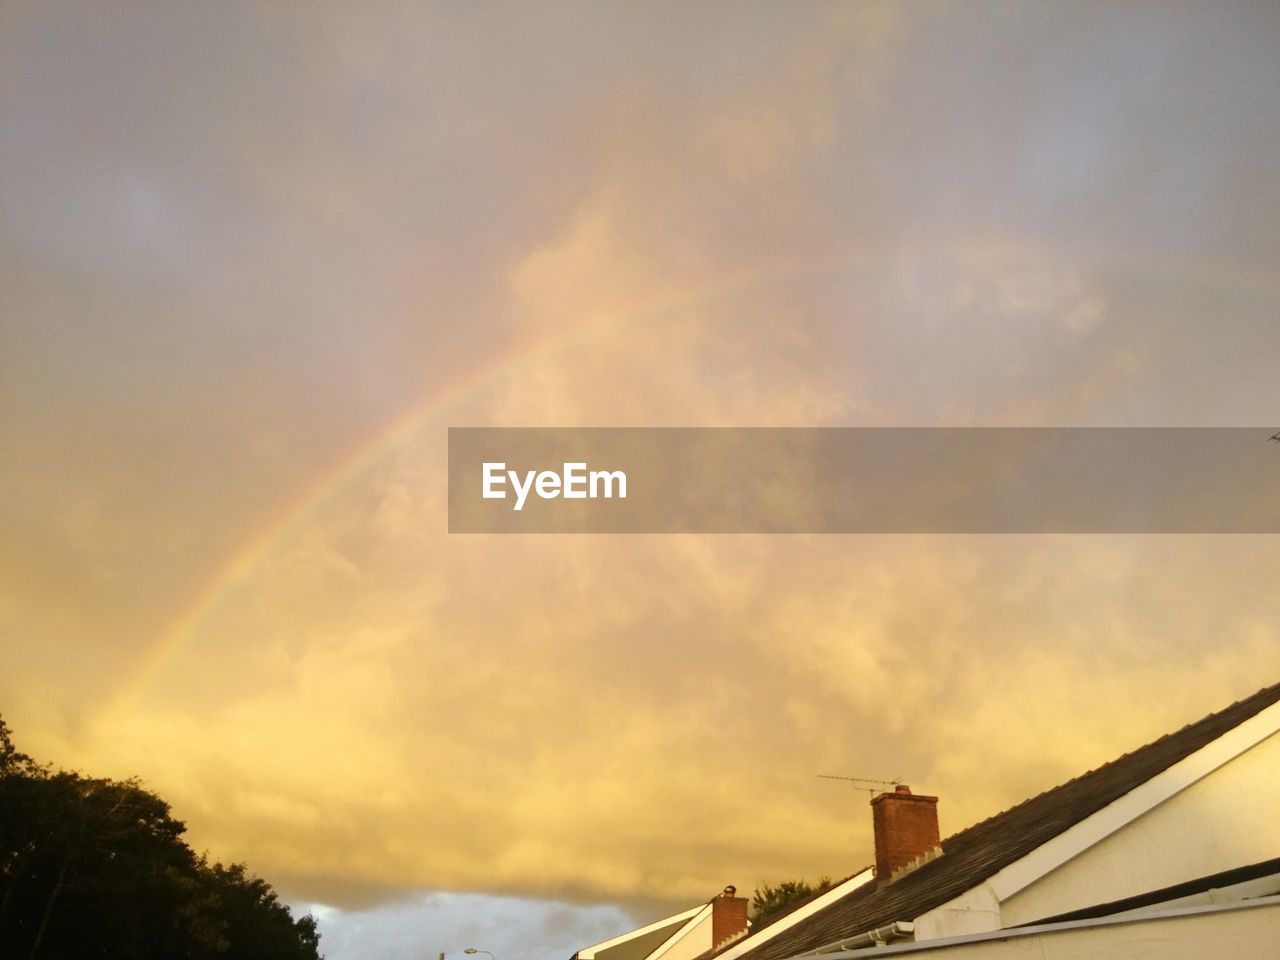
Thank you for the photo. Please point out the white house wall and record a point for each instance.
(975, 911)
(1211, 811)
(1245, 932)
(693, 942)
(1228, 819)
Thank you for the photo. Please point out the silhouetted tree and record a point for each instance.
(767, 900)
(98, 868)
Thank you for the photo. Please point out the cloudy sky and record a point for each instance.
(256, 259)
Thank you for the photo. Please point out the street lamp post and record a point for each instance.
(471, 951)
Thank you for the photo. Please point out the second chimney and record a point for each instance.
(906, 827)
(728, 916)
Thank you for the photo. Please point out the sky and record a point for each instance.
(257, 258)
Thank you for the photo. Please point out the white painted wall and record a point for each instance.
(690, 942)
(1249, 932)
(975, 911)
(1228, 819)
(1210, 812)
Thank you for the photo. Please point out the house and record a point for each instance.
(1235, 913)
(1176, 843)
(682, 936)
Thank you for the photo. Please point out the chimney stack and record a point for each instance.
(906, 827)
(728, 916)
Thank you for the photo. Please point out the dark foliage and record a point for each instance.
(767, 900)
(98, 868)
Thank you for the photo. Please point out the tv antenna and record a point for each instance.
(866, 783)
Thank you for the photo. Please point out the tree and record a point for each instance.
(98, 867)
(768, 900)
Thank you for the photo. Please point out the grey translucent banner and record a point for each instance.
(856, 480)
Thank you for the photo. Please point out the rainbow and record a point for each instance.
(294, 513)
(278, 528)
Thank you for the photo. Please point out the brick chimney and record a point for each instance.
(906, 826)
(728, 916)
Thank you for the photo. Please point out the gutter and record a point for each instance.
(875, 937)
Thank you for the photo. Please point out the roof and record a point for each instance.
(637, 948)
(975, 854)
